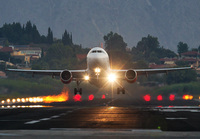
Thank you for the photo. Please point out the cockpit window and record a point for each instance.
(97, 51)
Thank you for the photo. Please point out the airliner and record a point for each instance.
(99, 72)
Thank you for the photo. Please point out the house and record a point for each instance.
(169, 61)
(27, 53)
(6, 49)
(192, 57)
(190, 54)
(2, 74)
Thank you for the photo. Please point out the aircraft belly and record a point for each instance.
(102, 63)
(98, 82)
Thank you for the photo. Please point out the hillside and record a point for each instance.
(88, 20)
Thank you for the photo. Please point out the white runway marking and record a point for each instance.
(46, 119)
(32, 122)
(178, 118)
(55, 116)
(8, 134)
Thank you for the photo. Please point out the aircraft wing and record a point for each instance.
(75, 73)
(153, 71)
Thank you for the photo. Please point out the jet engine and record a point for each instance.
(66, 76)
(131, 76)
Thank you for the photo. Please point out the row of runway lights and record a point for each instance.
(78, 97)
(147, 97)
(46, 99)
(23, 106)
(23, 100)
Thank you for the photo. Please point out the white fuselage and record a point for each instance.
(97, 58)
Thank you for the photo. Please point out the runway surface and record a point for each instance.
(105, 117)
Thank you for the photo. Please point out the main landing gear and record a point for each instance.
(121, 89)
(78, 90)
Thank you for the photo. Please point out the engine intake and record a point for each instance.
(131, 76)
(66, 76)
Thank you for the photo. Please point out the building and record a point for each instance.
(191, 54)
(27, 54)
(2, 74)
(192, 57)
(6, 49)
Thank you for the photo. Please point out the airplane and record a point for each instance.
(99, 72)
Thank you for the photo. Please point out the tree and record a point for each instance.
(49, 36)
(18, 34)
(67, 38)
(181, 76)
(35, 34)
(147, 45)
(114, 41)
(182, 47)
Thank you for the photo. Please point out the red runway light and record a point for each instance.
(159, 98)
(103, 96)
(91, 97)
(171, 97)
(147, 97)
(77, 97)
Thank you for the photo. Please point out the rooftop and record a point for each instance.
(190, 53)
(6, 49)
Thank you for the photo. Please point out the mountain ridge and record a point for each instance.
(89, 20)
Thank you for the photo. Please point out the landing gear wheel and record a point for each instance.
(80, 91)
(120, 90)
(123, 91)
(75, 91)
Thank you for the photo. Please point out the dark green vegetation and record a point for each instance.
(26, 34)
(24, 87)
(180, 89)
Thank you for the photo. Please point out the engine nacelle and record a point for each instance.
(66, 76)
(131, 76)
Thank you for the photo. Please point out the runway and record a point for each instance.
(119, 115)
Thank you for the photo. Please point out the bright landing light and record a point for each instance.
(97, 70)
(86, 77)
(111, 77)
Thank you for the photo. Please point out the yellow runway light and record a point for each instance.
(13, 100)
(8, 100)
(18, 100)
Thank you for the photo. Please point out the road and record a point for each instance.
(106, 116)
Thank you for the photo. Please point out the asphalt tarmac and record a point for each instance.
(113, 118)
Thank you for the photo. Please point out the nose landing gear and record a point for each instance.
(121, 89)
(78, 90)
